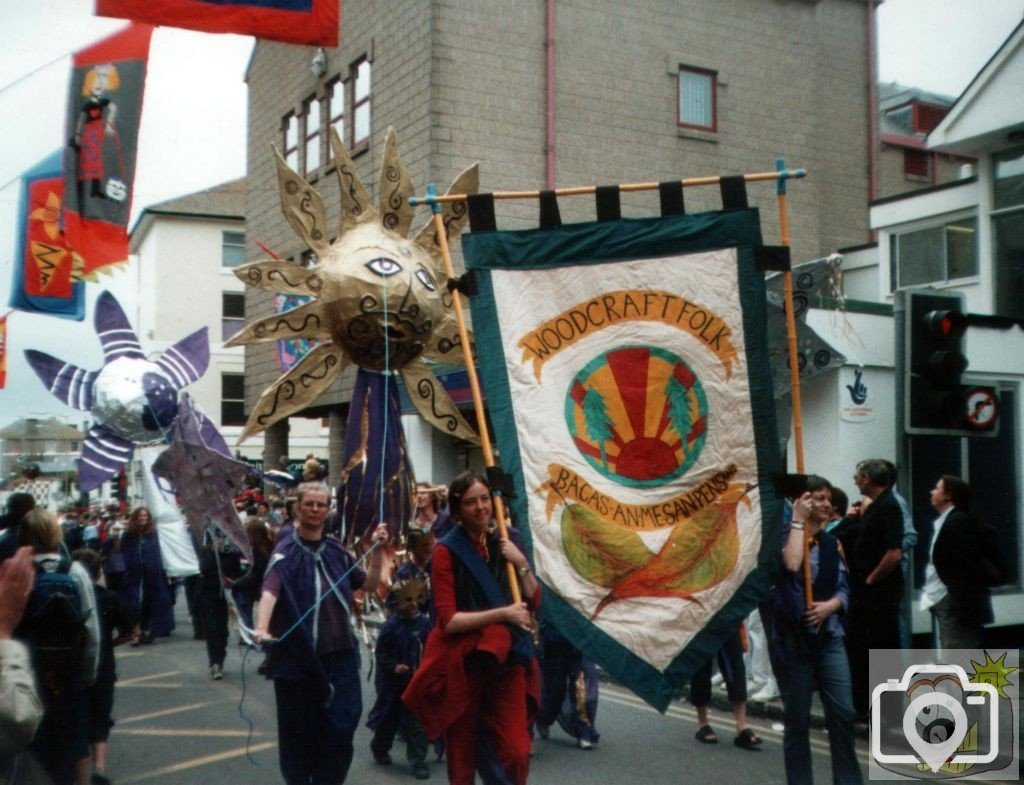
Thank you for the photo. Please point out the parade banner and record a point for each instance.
(627, 375)
(104, 109)
(287, 353)
(313, 22)
(44, 271)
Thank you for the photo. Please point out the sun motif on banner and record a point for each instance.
(638, 415)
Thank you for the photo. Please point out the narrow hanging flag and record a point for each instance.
(312, 22)
(46, 271)
(631, 396)
(104, 109)
(3, 351)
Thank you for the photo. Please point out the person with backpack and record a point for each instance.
(20, 707)
(956, 584)
(61, 629)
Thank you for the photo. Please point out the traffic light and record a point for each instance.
(937, 401)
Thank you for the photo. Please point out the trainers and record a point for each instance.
(216, 672)
(543, 730)
(585, 744)
(768, 692)
(420, 771)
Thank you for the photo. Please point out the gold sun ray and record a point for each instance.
(355, 202)
(395, 187)
(306, 321)
(303, 208)
(308, 380)
(282, 276)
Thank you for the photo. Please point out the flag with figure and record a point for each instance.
(627, 376)
(47, 273)
(102, 130)
(312, 22)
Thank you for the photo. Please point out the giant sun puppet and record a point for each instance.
(379, 300)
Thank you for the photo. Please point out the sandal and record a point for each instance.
(747, 739)
(706, 735)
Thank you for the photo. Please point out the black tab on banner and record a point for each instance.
(464, 284)
(672, 198)
(500, 482)
(734, 192)
(608, 207)
(772, 258)
(550, 216)
(481, 213)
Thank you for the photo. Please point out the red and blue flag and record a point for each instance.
(45, 268)
(313, 22)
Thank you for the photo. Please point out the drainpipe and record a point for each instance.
(549, 124)
(872, 110)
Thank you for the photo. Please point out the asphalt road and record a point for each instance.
(177, 727)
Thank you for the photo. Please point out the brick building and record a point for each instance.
(568, 92)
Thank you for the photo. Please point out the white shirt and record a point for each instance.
(934, 590)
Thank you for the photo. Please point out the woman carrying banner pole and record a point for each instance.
(478, 685)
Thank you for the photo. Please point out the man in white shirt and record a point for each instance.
(954, 587)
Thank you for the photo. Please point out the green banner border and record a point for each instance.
(597, 243)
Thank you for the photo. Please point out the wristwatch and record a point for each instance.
(523, 571)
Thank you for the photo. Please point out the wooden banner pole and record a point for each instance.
(794, 373)
(583, 190)
(474, 385)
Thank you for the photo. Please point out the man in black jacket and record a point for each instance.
(876, 579)
(954, 583)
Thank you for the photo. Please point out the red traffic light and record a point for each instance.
(947, 324)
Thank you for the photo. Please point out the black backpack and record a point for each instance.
(53, 627)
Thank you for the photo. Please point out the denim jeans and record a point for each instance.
(816, 660)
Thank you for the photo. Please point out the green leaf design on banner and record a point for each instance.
(697, 555)
(600, 552)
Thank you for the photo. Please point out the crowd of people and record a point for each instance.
(465, 662)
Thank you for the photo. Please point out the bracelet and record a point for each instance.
(798, 525)
(523, 571)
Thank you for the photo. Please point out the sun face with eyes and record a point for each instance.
(386, 296)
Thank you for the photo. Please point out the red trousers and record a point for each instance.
(496, 707)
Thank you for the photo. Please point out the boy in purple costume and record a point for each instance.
(399, 651)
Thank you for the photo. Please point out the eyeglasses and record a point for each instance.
(315, 504)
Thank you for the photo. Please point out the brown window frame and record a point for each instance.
(712, 77)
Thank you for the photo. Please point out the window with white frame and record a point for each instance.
(1008, 231)
(232, 314)
(697, 99)
(336, 111)
(936, 254)
(232, 249)
(360, 79)
(232, 399)
(311, 134)
(290, 146)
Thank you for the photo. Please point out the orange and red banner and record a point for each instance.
(104, 109)
(312, 22)
(45, 279)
